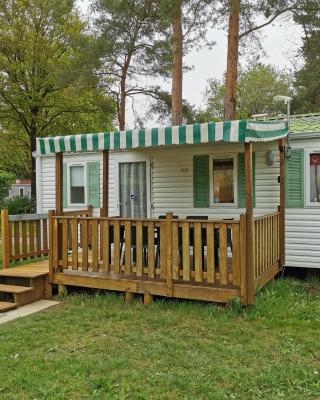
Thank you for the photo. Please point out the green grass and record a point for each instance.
(96, 347)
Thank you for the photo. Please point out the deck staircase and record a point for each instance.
(23, 285)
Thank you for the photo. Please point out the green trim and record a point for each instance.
(84, 144)
(42, 147)
(73, 146)
(295, 188)
(154, 137)
(182, 134)
(196, 134)
(201, 181)
(226, 131)
(93, 184)
(65, 185)
(95, 142)
(168, 135)
(117, 140)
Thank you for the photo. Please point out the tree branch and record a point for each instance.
(256, 28)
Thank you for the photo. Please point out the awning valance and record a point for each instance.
(227, 131)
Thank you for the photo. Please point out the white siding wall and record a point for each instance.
(303, 226)
(48, 180)
(171, 181)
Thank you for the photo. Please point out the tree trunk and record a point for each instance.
(33, 143)
(122, 105)
(232, 61)
(177, 65)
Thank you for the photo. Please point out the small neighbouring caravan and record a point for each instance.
(201, 178)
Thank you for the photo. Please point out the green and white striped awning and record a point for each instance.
(227, 131)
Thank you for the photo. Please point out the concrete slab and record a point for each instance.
(28, 309)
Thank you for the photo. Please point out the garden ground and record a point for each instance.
(94, 346)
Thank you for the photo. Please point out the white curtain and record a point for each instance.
(133, 190)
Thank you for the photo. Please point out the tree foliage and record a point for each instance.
(130, 48)
(308, 77)
(256, 88)
(162, 108)
(44, 73)
(6, 179)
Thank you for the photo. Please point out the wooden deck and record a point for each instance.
(181, 258)
(30, 270)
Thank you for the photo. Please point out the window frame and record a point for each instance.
(69, 166)
(21, 188)
(307, 154)
(224, 156)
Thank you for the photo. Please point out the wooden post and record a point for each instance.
(5, 237)
(282, 208)
(147, 299)
(169, 253)
(249, 223)
(59, 202)
(128, 297)
(243, 261)
(59, 183)
(51, 249)
(62, 289)
(105, 184)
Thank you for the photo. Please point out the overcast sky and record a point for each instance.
(280, 42)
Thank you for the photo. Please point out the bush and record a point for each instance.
(18, 205)
(6, 179)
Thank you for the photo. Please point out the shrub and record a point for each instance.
(6, 179)
(18, 205)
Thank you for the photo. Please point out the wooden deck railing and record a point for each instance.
(266, 247)
(170, 250)
(24, 237)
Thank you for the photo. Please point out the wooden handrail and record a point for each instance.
(27, 217)
(266, 216)
(180, 220)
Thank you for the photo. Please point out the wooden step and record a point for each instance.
(23, 273)
(5, 306)
(14, 289)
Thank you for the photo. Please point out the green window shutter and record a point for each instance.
(93, 184)
(242, 180)
(201, 184)
(295, 179)
(65, 185)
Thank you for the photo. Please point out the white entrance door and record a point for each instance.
(133, 189)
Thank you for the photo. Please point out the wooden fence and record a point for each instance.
(266, 248)
(23, 236)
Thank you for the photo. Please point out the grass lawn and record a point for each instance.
(96, 347)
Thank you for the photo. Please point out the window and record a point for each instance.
(21, 194)
(77, 184)
(223, 181)
(314, 177)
